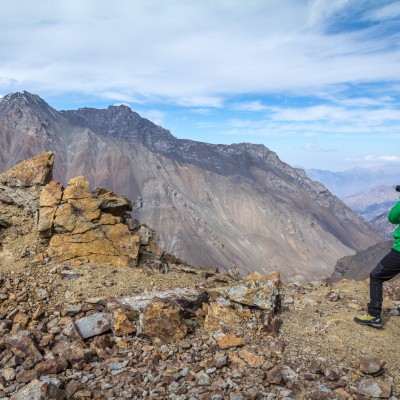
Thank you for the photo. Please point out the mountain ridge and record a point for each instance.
(213, 205)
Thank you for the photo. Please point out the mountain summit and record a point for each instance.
(213, 205)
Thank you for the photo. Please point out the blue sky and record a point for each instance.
(316, 81)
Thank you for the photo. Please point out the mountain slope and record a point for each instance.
(213, 205)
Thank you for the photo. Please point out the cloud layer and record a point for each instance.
(249, 69)
(193, 53)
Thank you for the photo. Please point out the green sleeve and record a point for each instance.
(394, 214)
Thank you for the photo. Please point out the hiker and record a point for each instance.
(386, 269)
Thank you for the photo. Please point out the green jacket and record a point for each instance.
(394, 218)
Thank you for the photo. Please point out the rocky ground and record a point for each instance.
(72, 327)
(319, 352)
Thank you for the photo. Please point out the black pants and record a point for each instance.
(386, 269)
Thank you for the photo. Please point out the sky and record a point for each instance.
(316, 81)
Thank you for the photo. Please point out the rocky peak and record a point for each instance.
(22, 98)
(21, 103)
(120, 122)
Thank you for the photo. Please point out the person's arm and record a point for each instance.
(394, 214)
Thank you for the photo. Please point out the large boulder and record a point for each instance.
(161, 314)
(35, 171)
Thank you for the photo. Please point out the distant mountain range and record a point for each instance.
(357, 180)
(369, 192)
(213, 205)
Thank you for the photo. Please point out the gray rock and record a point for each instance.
(41, 293)
(93, 325)
(220, 361)
(37, 390)
(203, 379)
(8, 374)
(376, 388)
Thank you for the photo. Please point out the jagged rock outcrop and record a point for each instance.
(72, 225)
(212, 205)
(82, 226)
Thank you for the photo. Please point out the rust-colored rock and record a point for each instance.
(275, 375)
(33, 172)
(52, 366)
(121, 324)
(221, 316)
(251, 359)
(230, 340)
(83, 232)
(271, 322)
(23, 344)
(163, 320)
(371, 365)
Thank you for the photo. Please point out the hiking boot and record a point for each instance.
(370, 320)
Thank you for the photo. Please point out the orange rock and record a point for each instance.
(51, 194)
(121, 324)
(230, 340)
(221, 316)
(250, 358)
(234, 358)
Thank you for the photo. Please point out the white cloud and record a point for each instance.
(155, 116)
(382, 158)
(389, 11)
(123, 97)
(255, 105)
(193, 54)
(320, 10)
(366, 101)
(314, 147)
(373, 158)
(203, 111)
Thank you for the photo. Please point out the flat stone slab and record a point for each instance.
(93, 325)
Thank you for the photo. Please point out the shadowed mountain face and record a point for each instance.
(360, 265)
(213, 205)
